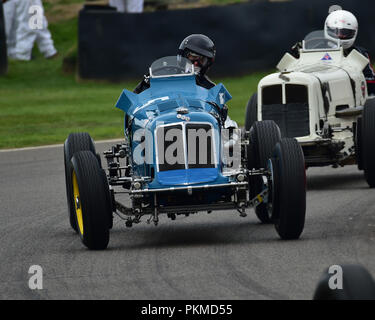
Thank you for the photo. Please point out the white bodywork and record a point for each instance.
(345, 89)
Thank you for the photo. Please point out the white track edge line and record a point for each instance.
(53, 146)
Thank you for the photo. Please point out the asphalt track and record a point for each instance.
(216, 256)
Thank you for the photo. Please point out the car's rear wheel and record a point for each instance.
(357, 284)
(90, 195)
(288, 190)
(74, 143)
(368, 141)
(263, 137)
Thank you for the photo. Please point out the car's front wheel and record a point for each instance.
(288, 188)
(251, 111)
(75, 142)
(358, 144)
(368, 142)
(263, 137)
(90, 196)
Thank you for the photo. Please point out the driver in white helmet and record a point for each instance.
(343, 25)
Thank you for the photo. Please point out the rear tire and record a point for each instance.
(91, 200)
(368, 141)
(288, 190)
(357, 284)
(74, 143)
(263, 137)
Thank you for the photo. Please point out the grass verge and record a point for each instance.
(39, 104)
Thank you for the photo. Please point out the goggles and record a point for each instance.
(342, 34)
(197, 58)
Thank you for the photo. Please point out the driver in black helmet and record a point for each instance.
(201, 51)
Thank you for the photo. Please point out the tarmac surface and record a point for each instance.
(215, 256)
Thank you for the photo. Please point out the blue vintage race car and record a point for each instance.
(181, 155)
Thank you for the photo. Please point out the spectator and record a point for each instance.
(10, 26)
(21, 36)
(130, 6)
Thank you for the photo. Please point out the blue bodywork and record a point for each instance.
(145, 111)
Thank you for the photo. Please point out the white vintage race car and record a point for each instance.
(321, 99)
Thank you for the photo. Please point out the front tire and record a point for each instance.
(251, 111)
(368, 142)
(74, 143)
(91, 200)
(358, 144)
(288, 189)
(108, 196)
(263, 137)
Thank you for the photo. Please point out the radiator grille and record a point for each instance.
(200, 146)
(293, 118)
(188, 146)
(170, 147)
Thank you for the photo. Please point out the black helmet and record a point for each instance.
(198, 45)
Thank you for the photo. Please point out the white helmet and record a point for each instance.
(342, 25)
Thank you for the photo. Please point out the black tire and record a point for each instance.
(358, 144)
(288, 191)
(99, 160)
(93, 195)
(74, 143)
(357, 284)
(263, 137)
(368, 141)
(108, 201)
(251, 111)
